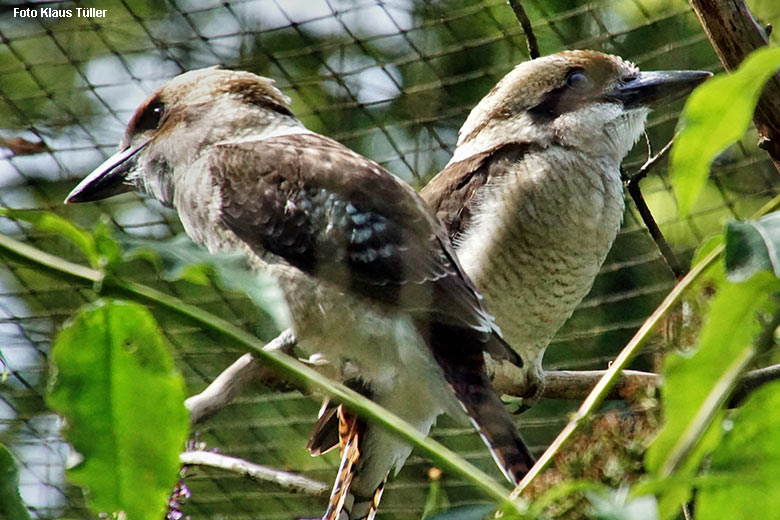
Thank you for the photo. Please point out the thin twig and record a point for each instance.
(289, 481)
(651, 161)
(525, 23)
(631, 182)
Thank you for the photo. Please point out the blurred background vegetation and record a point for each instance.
(393, 80)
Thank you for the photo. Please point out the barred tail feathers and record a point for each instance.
(459, 352)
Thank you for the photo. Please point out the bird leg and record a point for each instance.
(350, 453)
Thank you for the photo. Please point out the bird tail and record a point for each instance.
(464, 369)
(343, 504)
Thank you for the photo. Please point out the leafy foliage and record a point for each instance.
(716, 115)
(696, 386)
(11, 506)
(743, 480)
(115, 383)
(753, 246)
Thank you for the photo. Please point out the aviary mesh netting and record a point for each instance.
(393, 80)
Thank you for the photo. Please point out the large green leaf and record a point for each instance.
(743, 480)
(116, 385)
(753, 246)
(11, 505)
(695, 386)
(716, 115)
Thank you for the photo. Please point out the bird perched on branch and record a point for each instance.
(532, 197)
(368, 272)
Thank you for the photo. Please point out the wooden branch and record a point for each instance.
(290, 481)
(631, 182)
(734, 33)
(507, 379)
(577, 384)
(236, 377)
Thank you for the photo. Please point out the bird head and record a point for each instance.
(582, 99)
(177, 121)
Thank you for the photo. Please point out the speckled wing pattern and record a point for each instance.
(344, 220)
(323, 209)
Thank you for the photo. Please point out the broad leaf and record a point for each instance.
(752, 247)
(743, 480)
(123, 400)
(716, 115)
(695, 386)
(11, 505)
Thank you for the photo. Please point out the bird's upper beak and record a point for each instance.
(108, 179)
(650, 89)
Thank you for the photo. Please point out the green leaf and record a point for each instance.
(52, 223)
(107, 246)
(11, 505)
(716, 115)
(706, 247)
(123, 400)
(695, 386)
(752, 247)
(743, 480)
(180, 258)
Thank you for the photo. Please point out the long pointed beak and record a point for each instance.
(651, 89)
(108, 179)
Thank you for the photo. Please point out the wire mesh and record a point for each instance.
(391, 79)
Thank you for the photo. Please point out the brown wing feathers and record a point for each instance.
(335, 224)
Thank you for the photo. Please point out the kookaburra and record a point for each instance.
(369, 274)
(532, 197)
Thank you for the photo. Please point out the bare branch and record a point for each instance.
(525, 23)
(290, 481)
(236, 377)
(508, 379)
(651, 161)
(631, 182)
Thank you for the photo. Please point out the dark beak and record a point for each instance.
(651, 89)
(108, 179)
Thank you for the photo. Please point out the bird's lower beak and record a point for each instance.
(108, 179)
(651, 89)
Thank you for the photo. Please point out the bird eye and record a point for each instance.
(576, 78)
(150, 118)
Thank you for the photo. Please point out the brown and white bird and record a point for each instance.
(368, 272)
(532, 197)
